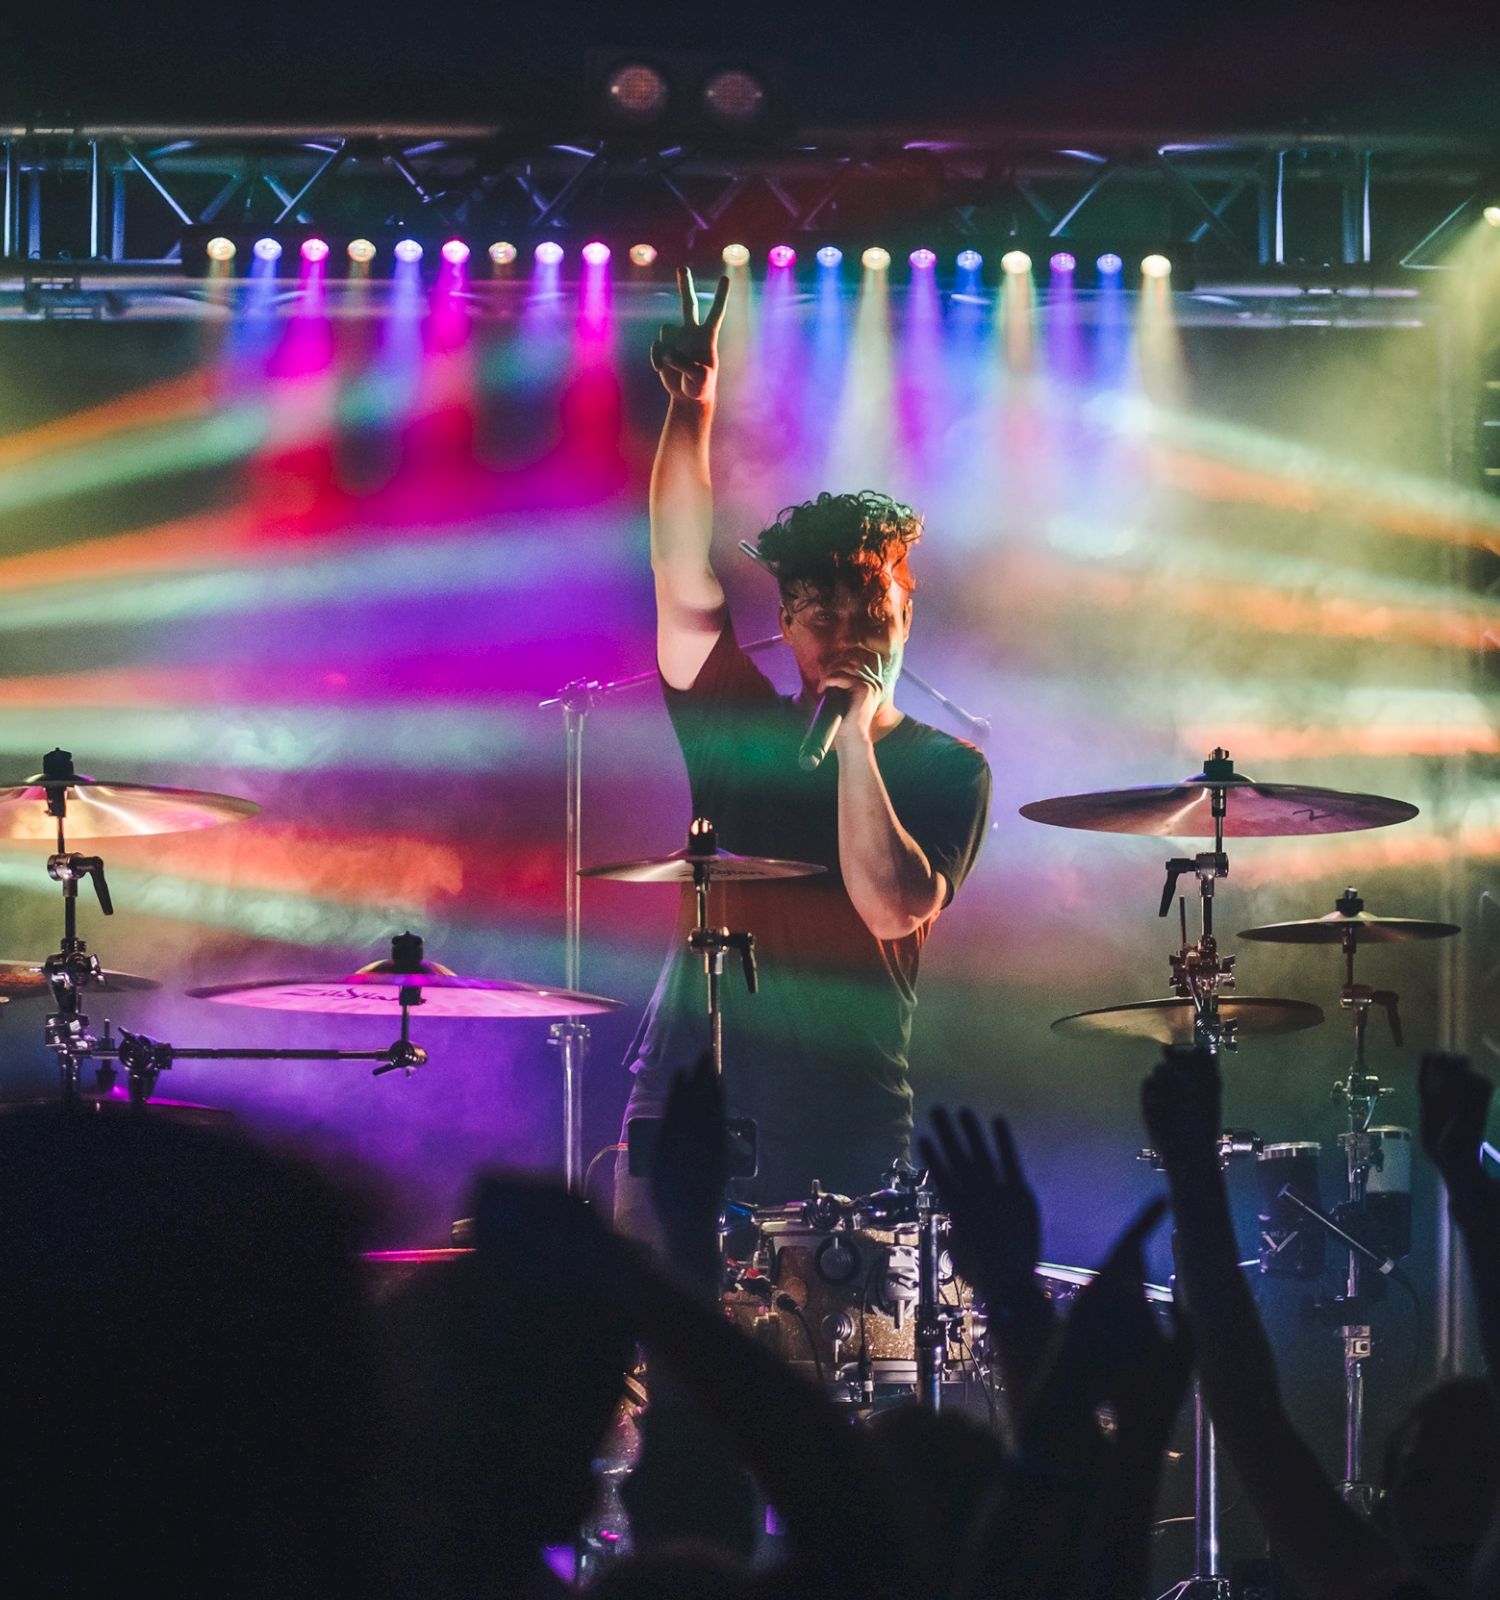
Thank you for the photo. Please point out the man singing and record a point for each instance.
(896, 814)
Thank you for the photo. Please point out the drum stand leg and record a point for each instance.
(1207, 1581)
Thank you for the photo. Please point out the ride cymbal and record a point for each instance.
(682, 867)
(1365, 925)
(27, 980)
(96, 809)
(376, 991)
(1170, 1021)
(1251, 809)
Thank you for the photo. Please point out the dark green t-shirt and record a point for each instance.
(819, 1056)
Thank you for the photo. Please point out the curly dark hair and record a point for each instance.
(840, 540)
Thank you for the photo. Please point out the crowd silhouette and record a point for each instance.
(202, 1396)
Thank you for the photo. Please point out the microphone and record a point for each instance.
(832, 708)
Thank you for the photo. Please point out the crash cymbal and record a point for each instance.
(376, 991)
(1251, 809)
(97, 809)
(27, 980)
(680, 867)
(1365, 925)
(1170, 1021)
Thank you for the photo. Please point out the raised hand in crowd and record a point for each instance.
(690, 1173)
(1332, 1553)
(995, 1237)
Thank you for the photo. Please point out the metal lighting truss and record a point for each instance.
(96, 208)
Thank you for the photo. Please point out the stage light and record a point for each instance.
(1109, 264)
(830, 256)
(407, 250)
(455, 252)
(1155, 266)
(219, 249)
(876, 259)
(549, 252)
(734, 97)
(596, 253)
(970, 260)
(502, 252)
(922, 259)
(268, 249)
(637, 93)
(1062, 262)
(1015, 262)
(314, 250)
(782, 255)
(736, 255)
(1492, 216)
(361, 250)
(642, 255)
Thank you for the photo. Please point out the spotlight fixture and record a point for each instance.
(636, 92)
(455, 252)
(969, 261)
(830, 256)
(407, 250)
(502, 252)
(1109, 264)
(549, 252)
(736, 255)
(1492, 216)
(642, 255)
(219, 249)
(361, 250)
(1155, 266)
(876, 258)
(314, 250)
(734, 97)
(1015, 262)
(596, 253)
(268, 249)
(782, 255)
(922, 260)
(1062, 263)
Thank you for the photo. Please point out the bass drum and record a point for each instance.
(837, 1299)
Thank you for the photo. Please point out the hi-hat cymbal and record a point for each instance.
(1251, 809)
(1365, 925)
(27, 980)
(96, 809)
(681, 866)
(1171, 1021)
(376, 991)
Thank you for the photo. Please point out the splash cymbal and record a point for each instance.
(375, 991)
(1365, 925)
(1251, 809)
(1170, 1021)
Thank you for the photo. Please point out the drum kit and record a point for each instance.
(860, 1290)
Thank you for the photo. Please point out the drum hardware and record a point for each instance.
(1233, 1143)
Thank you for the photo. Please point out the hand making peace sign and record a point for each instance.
(687, 356)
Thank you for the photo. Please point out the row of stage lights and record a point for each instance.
(597, 254)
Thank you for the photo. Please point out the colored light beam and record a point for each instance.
(1158, 345)
(862, 447)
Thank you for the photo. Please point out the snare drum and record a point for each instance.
(1291, 1244)
(838, 1299)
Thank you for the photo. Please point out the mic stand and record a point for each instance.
(570, 1037)
(713, 944)
(931, 1333)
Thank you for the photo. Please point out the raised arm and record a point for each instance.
(690, 607)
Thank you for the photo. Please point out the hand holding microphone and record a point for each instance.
(858, 670)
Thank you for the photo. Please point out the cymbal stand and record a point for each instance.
(1360, 1094)
(1199, 972)
(71, 968)
(712, 943)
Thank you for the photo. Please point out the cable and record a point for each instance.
(599, 1155)
(784, 1302)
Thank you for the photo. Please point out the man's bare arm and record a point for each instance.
(690, 609)
(892, 884)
